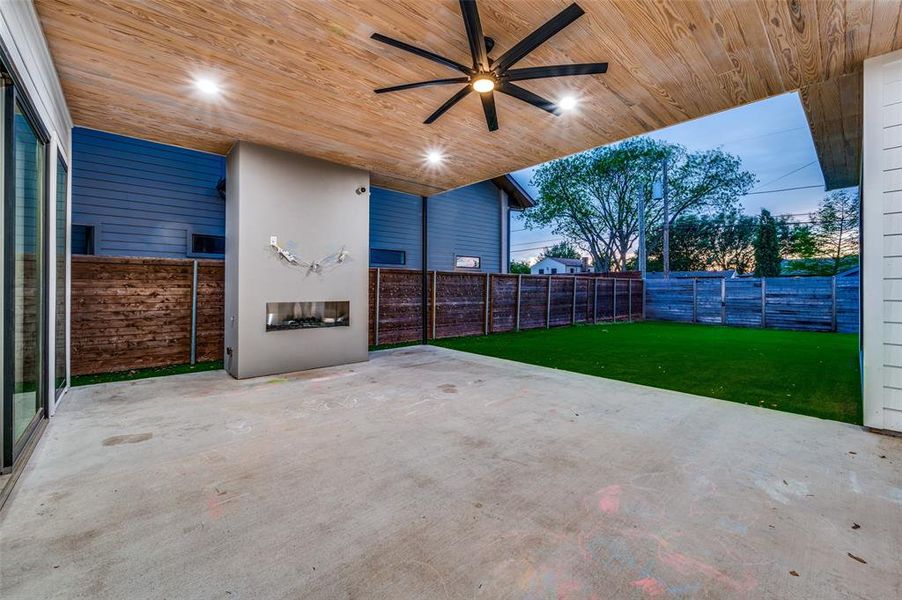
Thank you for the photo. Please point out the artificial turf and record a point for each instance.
(78, 380)
(815, 374)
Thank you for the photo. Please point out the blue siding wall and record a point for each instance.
(465, 221)
(143, 198)
(395, 220)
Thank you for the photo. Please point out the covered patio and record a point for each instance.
(430, 473)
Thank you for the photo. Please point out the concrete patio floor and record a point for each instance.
(428, 473)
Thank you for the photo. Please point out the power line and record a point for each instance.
(552, 241)
(803, 187)
(755, 137)
(784, 175)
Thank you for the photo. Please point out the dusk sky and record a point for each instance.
(772, 139)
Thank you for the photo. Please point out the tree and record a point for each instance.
(835, 225)
(519, 266)
(767, 247)
(796, 241)
(720, 241)
(731, 241)
(593, 198)
(689, 237)
(560, 250)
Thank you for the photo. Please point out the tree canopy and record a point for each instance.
(767, 247)
(594, 198)
(560, 250)
(519, 266)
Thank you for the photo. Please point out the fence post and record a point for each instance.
(488, 308)
(194, 314)
(548, 304)
(723, 300)
(376, 323)
(595, 302)
(614, 301)
(695, 300)
(643, 298)
(833, 291)
(764, 302)
(573, 303)
(519, 283)
(434, 299)
(629, 300)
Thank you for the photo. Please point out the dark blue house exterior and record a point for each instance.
(132, 197)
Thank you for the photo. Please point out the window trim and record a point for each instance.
(67, 250)
(95, 227)
(403, 253)
(457, 266)
(16, 96)
(193, 230)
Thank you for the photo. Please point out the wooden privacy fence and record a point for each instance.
(131, 313)
(799, 303)
(461, 304)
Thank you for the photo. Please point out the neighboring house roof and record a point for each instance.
(519, 198)
(853, 272)
(693, 274)
(570, 262)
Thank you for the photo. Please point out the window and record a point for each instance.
(553, 271)
(82, 239)
(207, 244)
(541, 271)
(467, 262)
(387, 257)
(60, 330)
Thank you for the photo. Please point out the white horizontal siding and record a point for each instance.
(894, 399)
(882, 243)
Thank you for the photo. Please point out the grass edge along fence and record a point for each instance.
(793, 303)
(463, 303)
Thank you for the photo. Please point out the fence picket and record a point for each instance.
(797, 303)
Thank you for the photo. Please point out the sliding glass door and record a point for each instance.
(25, 197)
(62, 244)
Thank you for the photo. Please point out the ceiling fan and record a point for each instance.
(487, 74)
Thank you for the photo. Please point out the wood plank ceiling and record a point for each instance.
(300, 75)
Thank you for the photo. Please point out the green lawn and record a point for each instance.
(78, 380)
(812, 374)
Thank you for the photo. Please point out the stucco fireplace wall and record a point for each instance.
(315, 209)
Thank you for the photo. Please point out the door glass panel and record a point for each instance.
(29, 173)
(61, 244)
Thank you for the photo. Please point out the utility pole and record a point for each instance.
(642, 255)
(666, 224)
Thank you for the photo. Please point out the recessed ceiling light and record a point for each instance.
(434, 157)
(483, 84)
(567, 103)
(207, 86)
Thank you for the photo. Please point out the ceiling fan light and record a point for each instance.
(567, 103)
(483, 84)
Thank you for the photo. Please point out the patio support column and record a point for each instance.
(424, 298)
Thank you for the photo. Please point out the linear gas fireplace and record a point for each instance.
(281, 316)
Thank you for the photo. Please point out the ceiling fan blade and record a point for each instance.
(420, 52)
(474, 35)
(526, 96)
(420, 84)
(451, 102)
(488, 107)
(538, 37)
(555, 71)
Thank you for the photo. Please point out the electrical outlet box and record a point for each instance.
(273, 240)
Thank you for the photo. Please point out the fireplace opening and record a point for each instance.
(282, 316)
